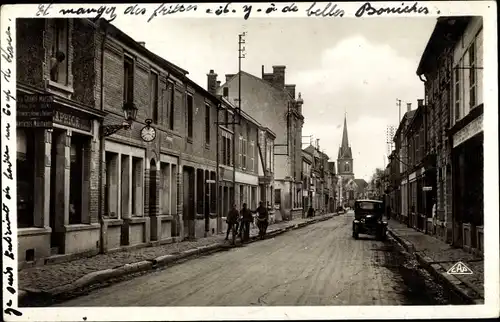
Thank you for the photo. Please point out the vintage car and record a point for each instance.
(368, 219)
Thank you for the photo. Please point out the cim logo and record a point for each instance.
(459, 269)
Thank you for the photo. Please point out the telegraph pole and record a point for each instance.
(398, 102)
(237, 112)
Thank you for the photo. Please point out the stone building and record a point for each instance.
(275, 106)
(345, 167)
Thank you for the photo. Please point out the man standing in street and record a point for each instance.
(262, 219)
(246, 219)
(232, 220)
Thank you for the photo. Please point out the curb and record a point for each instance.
(34, 295)
(465, 292)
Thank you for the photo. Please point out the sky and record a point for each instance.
(356, 68)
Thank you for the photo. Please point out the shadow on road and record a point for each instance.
(417, 286)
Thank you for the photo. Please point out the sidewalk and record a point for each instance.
(65, 277)
(438, 257)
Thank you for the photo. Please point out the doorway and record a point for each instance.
(188, 207)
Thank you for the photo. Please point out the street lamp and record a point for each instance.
(129, 113)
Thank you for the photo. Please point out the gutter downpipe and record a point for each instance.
(217, 203)
(102, 237)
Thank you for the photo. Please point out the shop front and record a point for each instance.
(57, 175)
(467, 177)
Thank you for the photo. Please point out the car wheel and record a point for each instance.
(355, 232)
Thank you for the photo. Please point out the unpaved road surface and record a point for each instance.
(320, 264)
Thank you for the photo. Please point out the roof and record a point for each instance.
(368, 200)
(446, 32)
(116, 32)
(361, 182)
(408, 116)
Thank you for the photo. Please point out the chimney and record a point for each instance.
(225, 92)
(291, 90)
(279, 76)
(228, 77)
(263, 72)
(420, 102)
(212, 82)
(218, 84)
(408, 107)
(142, 43)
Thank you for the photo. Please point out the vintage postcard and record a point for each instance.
(249, 161)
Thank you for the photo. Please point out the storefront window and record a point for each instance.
(25, 177)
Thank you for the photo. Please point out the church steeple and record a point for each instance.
(344, 159)
(345, 149)
(345, 140)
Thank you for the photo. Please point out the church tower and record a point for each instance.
(344, 159)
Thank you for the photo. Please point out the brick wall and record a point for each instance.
(84, 71)
(30, 52)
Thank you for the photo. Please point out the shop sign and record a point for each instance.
(35, 110)
(426, 188)
(70, 119)
(40, 111)
(471, 129)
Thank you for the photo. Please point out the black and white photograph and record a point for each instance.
(249, 161)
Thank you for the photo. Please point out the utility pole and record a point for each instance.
(398, 102)
(237, 112)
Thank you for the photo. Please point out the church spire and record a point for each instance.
(345, 140)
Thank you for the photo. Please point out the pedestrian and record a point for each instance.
(434, 217)
(388, 212)
(246, 219)
(262, 219)
(232, 221)
(310, 212)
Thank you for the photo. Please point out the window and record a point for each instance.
(457, 91)
(252, 156)
(277, 196)
(153, 79)
(190, 116)
(226, 149)
(172, 107)
(128, 80)
(207, 124)
(472, 75)
(240, 151)
(59, 52)
(244, 153)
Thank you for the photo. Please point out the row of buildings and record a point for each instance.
(438, 157)
(117, 147)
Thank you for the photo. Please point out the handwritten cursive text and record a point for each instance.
(102, 10)
(163, 10)
(370, 10)
(330, 10)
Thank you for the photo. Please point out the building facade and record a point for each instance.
(58, 153)
(98, 191)
(452, 68)
(274, 105)
(467, 138)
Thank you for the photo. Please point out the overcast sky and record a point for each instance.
(354, 66)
